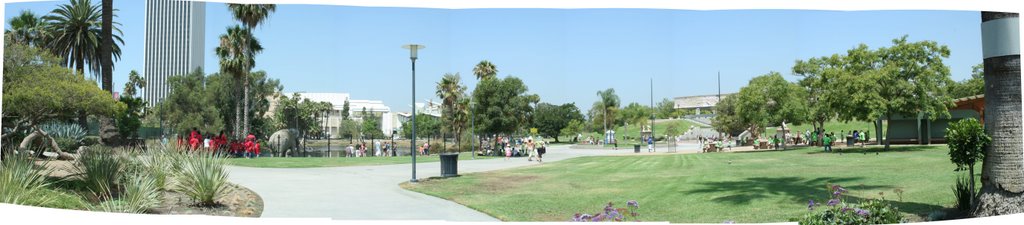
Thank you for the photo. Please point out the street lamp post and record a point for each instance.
(472, 118)
(413, 48)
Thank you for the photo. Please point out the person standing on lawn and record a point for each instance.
(827, 143)
(541, 150)
(650, 144)
(530, 149)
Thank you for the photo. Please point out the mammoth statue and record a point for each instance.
(284, 140)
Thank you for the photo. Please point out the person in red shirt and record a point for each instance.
(194, 139)
(250, 145)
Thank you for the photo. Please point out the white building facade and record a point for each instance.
(174, 44)
(355, 112)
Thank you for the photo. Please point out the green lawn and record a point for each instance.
(752, 187)
(308, 162)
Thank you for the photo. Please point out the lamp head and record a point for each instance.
(413, 49)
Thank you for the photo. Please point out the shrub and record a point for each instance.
(101, 170)
(838, 211)
(68, 135)
(202, 177)
(967, 140)
(22, 183)
(962, 191)
(159, 161)
(140, 194)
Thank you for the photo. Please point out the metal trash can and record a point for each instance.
(849, 141)
(449, 164)
(636, 148)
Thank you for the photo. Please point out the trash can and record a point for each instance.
(636, 148)
(449, 164)
(849, 141)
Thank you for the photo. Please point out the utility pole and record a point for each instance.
(653, 141)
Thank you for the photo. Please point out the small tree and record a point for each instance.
(967, 140)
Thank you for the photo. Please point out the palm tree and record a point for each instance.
(485, 69)
(237, 53)
(610, 103)
(251, 15)
(75, 30)
(1002, 174)
(28, 29)
(452, 92)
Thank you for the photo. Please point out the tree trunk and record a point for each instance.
(106, 46)
(974, 192)
(238, 119)
(1002, 172)
(245, 107)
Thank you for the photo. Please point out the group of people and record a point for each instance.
(718, 142)
(532, 149)
(195, 141)
(378, 149)
(826, 140)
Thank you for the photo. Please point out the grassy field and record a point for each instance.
(752, 187)
(304, 162)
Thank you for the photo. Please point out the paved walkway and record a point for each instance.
(372, 192)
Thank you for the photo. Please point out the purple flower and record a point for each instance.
(586, 217)
(633, 203)
(597, 218)
(845, 209)
(608, 209)
(810, 205)
(576, 218)
(615, 215)
(833, 202)
(862, 212)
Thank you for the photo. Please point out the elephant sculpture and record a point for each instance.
(284, 140)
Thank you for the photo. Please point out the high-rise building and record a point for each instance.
(174, 43)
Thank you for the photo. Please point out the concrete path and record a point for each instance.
(372, 192)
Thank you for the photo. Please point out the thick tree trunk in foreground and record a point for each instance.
(245, 106)
(1002, 173)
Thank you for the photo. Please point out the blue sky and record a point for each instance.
(564, 55)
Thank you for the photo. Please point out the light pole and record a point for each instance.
(413, 48)
(472, 119)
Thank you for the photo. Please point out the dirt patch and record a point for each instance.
(502, 184)
(239, 202)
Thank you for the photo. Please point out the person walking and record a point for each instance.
(376, 148)
(541, 150)
(530, 149)
(650, 144)
(508, 150)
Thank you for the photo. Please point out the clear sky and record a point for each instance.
(564, 55)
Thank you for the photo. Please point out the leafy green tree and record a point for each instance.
(371, 127)
(129, 120)
(223, 88)
(37, 89)
(910, 79)
(673, 129)
(351, 129)
(189, 106)
(971, 86)
(666, 108)
(485, 69)
(967, 140)
(426, 125)
(637, 114)
(344, 110)
(501, 105)
(550, 120)
(770, 100)
(76, 35)
(727, 119)
(574, 127)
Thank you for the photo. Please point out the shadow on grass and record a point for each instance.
(800, 190)
(874, 149)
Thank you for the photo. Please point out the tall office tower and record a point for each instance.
(174, 43)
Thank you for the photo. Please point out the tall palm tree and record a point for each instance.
(75, 30)
(1002, 173)
(610, 103)
(451, 92)
(237, 53)
(485, 69)
(28, 29)
(250, 15)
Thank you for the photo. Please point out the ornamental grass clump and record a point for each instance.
(101, 170)
(838, 211)
(612, 214)
(21, 182)
(140, 193)
(202, 177)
